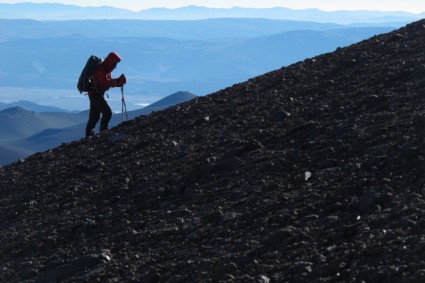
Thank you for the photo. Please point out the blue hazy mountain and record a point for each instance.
(174, 29)
(24, 132)
(50, 11)
(55, 11)
(173, 99)
(17, 122)
(31, 106)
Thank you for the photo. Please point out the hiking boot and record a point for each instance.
(90, 134)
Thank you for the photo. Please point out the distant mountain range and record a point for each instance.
(28, 105)
(23, 132)
(17, 122)
(51, 11)
(172, 29)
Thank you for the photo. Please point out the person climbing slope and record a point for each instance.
(102, 81)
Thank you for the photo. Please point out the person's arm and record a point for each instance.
(104, 80)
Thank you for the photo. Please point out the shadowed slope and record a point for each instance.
(313, 172)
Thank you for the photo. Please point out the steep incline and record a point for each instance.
(310, 173)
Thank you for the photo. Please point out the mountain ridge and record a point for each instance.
(16, 121)
(68, 12)
(31, 106)
(309, 173)
(172, 29)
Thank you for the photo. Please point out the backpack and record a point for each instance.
(84, 83)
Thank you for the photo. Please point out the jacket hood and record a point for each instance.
(111, 61)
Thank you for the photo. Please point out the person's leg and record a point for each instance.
(94, 117)
(103, 107)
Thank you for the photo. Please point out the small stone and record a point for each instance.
(307, 175)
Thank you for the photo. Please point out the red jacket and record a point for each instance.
(102, 76)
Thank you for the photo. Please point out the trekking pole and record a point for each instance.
(123, 106)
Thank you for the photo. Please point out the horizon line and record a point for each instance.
(215, 8)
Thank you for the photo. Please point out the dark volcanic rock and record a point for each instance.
(310, 173)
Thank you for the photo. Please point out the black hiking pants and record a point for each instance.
(98, 105)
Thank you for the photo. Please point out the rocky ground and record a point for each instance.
(310, 173)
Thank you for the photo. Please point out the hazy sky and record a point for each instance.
(413, 6)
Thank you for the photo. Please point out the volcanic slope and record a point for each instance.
(310, 173)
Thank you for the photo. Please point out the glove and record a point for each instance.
(121, 80)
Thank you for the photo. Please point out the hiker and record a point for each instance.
(102, 80)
